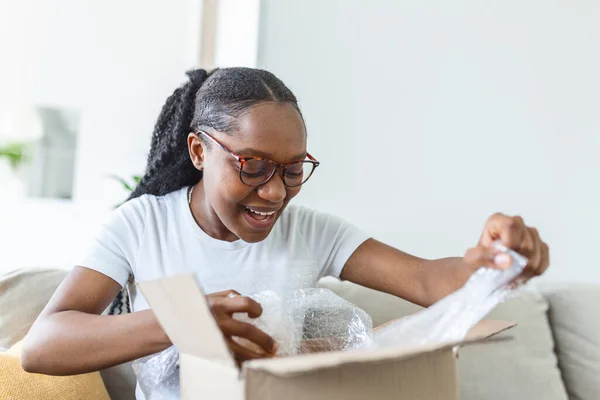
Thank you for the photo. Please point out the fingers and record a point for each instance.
(540, 258)
(535, 250)
(509, 230)
(545, 258)
(241, 304)
(224, 303)
(257, 343)
(242, 353)
(481, 256)
(514, 234)
(529, 245)
(231, 327)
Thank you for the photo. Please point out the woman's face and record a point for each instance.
(269, 130)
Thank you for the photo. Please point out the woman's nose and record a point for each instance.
(273, 190)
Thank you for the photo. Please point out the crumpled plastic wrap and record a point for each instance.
(450, 319)
(302, 321)
(158, 375)
(315, 320)
(310, 321)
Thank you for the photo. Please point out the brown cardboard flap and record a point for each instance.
(431, 376)
(292, 366)
(487, 328)
(182, 310)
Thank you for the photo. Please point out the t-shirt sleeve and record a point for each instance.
(115, 247)
(331, 239)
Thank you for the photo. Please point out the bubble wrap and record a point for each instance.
(310, 321)
(158, 375)
(450, 319)
(307, 320)
(303, 321)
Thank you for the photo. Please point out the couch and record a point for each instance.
(553, 353)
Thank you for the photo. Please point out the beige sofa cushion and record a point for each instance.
(18, 384)
(575, 319)
(120, 382)
(523, 368)
(381, 307)
(23, 295)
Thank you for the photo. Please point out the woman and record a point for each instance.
(228, 154)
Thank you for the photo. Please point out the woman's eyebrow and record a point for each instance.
(250, 152)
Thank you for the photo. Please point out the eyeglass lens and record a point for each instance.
(257, 172)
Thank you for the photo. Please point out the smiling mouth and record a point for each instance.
(259, 215)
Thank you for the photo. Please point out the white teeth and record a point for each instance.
(259, 212)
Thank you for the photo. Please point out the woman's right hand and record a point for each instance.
(223, 306)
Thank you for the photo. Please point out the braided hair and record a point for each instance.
(209, 100)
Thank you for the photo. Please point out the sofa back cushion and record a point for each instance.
(23, 295)
(524, 366)
(575, 319)
(519, 365)
(382, 307)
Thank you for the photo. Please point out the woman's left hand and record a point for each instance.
(514, 234)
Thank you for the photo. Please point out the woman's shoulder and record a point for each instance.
(147, 205)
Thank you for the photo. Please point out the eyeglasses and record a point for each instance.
(256, 171)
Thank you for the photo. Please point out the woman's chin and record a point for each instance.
(253, 229)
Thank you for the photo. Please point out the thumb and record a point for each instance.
(481, 256)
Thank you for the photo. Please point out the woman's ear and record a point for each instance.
(196, 149)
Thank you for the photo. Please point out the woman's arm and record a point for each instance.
(381, 267)
(423, 282)
(69, 337)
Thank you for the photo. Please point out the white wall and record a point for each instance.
(237, 33)
(137, 54)
(116, 62)
(430, 116)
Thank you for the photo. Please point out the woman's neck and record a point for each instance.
(206, 217)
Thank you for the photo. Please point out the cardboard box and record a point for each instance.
(208, 370)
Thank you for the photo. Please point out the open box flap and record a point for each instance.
(487, 328)
(181, 308)
(291, 366)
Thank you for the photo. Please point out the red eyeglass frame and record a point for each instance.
(278, 166)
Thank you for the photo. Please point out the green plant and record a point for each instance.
(128, 185)
(14, 153)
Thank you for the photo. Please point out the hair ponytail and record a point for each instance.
(209, 100)
(169, 139)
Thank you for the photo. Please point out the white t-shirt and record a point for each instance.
(156, 236)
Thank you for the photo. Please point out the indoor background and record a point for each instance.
(427, 117)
